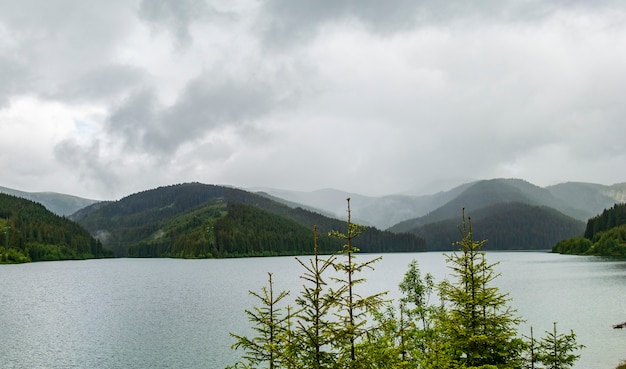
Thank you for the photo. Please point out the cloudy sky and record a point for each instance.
(105, 98)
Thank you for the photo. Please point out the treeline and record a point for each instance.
(203, 221)
(605, 235)
(30, 232)
(507, 226)
(610, 218)
(230, 230)
(237, 230)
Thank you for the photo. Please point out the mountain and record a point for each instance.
(505, 226)
(510, 213)
(589, 198)
(57, 203)
(577, 200)
(486, 193)
(381, 212)
(33, 233)
(199, 220)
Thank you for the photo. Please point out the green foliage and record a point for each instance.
(480, 327)
(605, 235)
(315, 327)
(13, 256)
(29, 232)
(472, 327)
(606, 243)
(574, 246)
(557, 350)
(269, 325)
(353, 309)
(610, 218)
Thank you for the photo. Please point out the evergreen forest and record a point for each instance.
(195, 220)
(30, 232)
(605, 235)
(463, 322)
(507, 226)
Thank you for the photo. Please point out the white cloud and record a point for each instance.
(105, 99)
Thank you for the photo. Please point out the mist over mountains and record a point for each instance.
(510, 213)
(575, 199)
(58, 203)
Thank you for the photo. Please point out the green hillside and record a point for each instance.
(30, 232)
(605, 235)
(196, 220)
(486, 193)
(506, 226)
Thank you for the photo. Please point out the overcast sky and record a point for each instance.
(101, 99)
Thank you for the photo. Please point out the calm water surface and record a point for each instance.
(167, 313)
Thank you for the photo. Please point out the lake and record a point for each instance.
(170, 313)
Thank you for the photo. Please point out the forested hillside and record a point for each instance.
(605, 235)
(30, 232)
(506, 226)
(610, 218)
(197, 220)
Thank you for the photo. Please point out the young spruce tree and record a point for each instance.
(557, 350)
(481, 330)
(314, 327)
(352, 308)
(267, 349)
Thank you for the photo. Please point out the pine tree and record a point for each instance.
(267, 348)
(353, 309)
(479, 326)
(314, 324)
(556, 350)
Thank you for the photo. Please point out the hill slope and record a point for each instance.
(33, 233)
(511, 214)
(57, 203)
(605, 235)
(506, 226)
(589, 198)
(199, 220)
(487, 193)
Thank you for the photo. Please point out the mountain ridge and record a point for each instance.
(58, 203)
(388, 211)
(200, 220)
(403, 212)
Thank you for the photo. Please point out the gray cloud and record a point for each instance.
(133, 119)
(13, 79)
(176, 16)
(104, 83)
(207, 104)
(365, 96)
(288, 23)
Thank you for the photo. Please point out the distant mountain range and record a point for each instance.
(57, 203)
(575, 199)
(510, 213)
